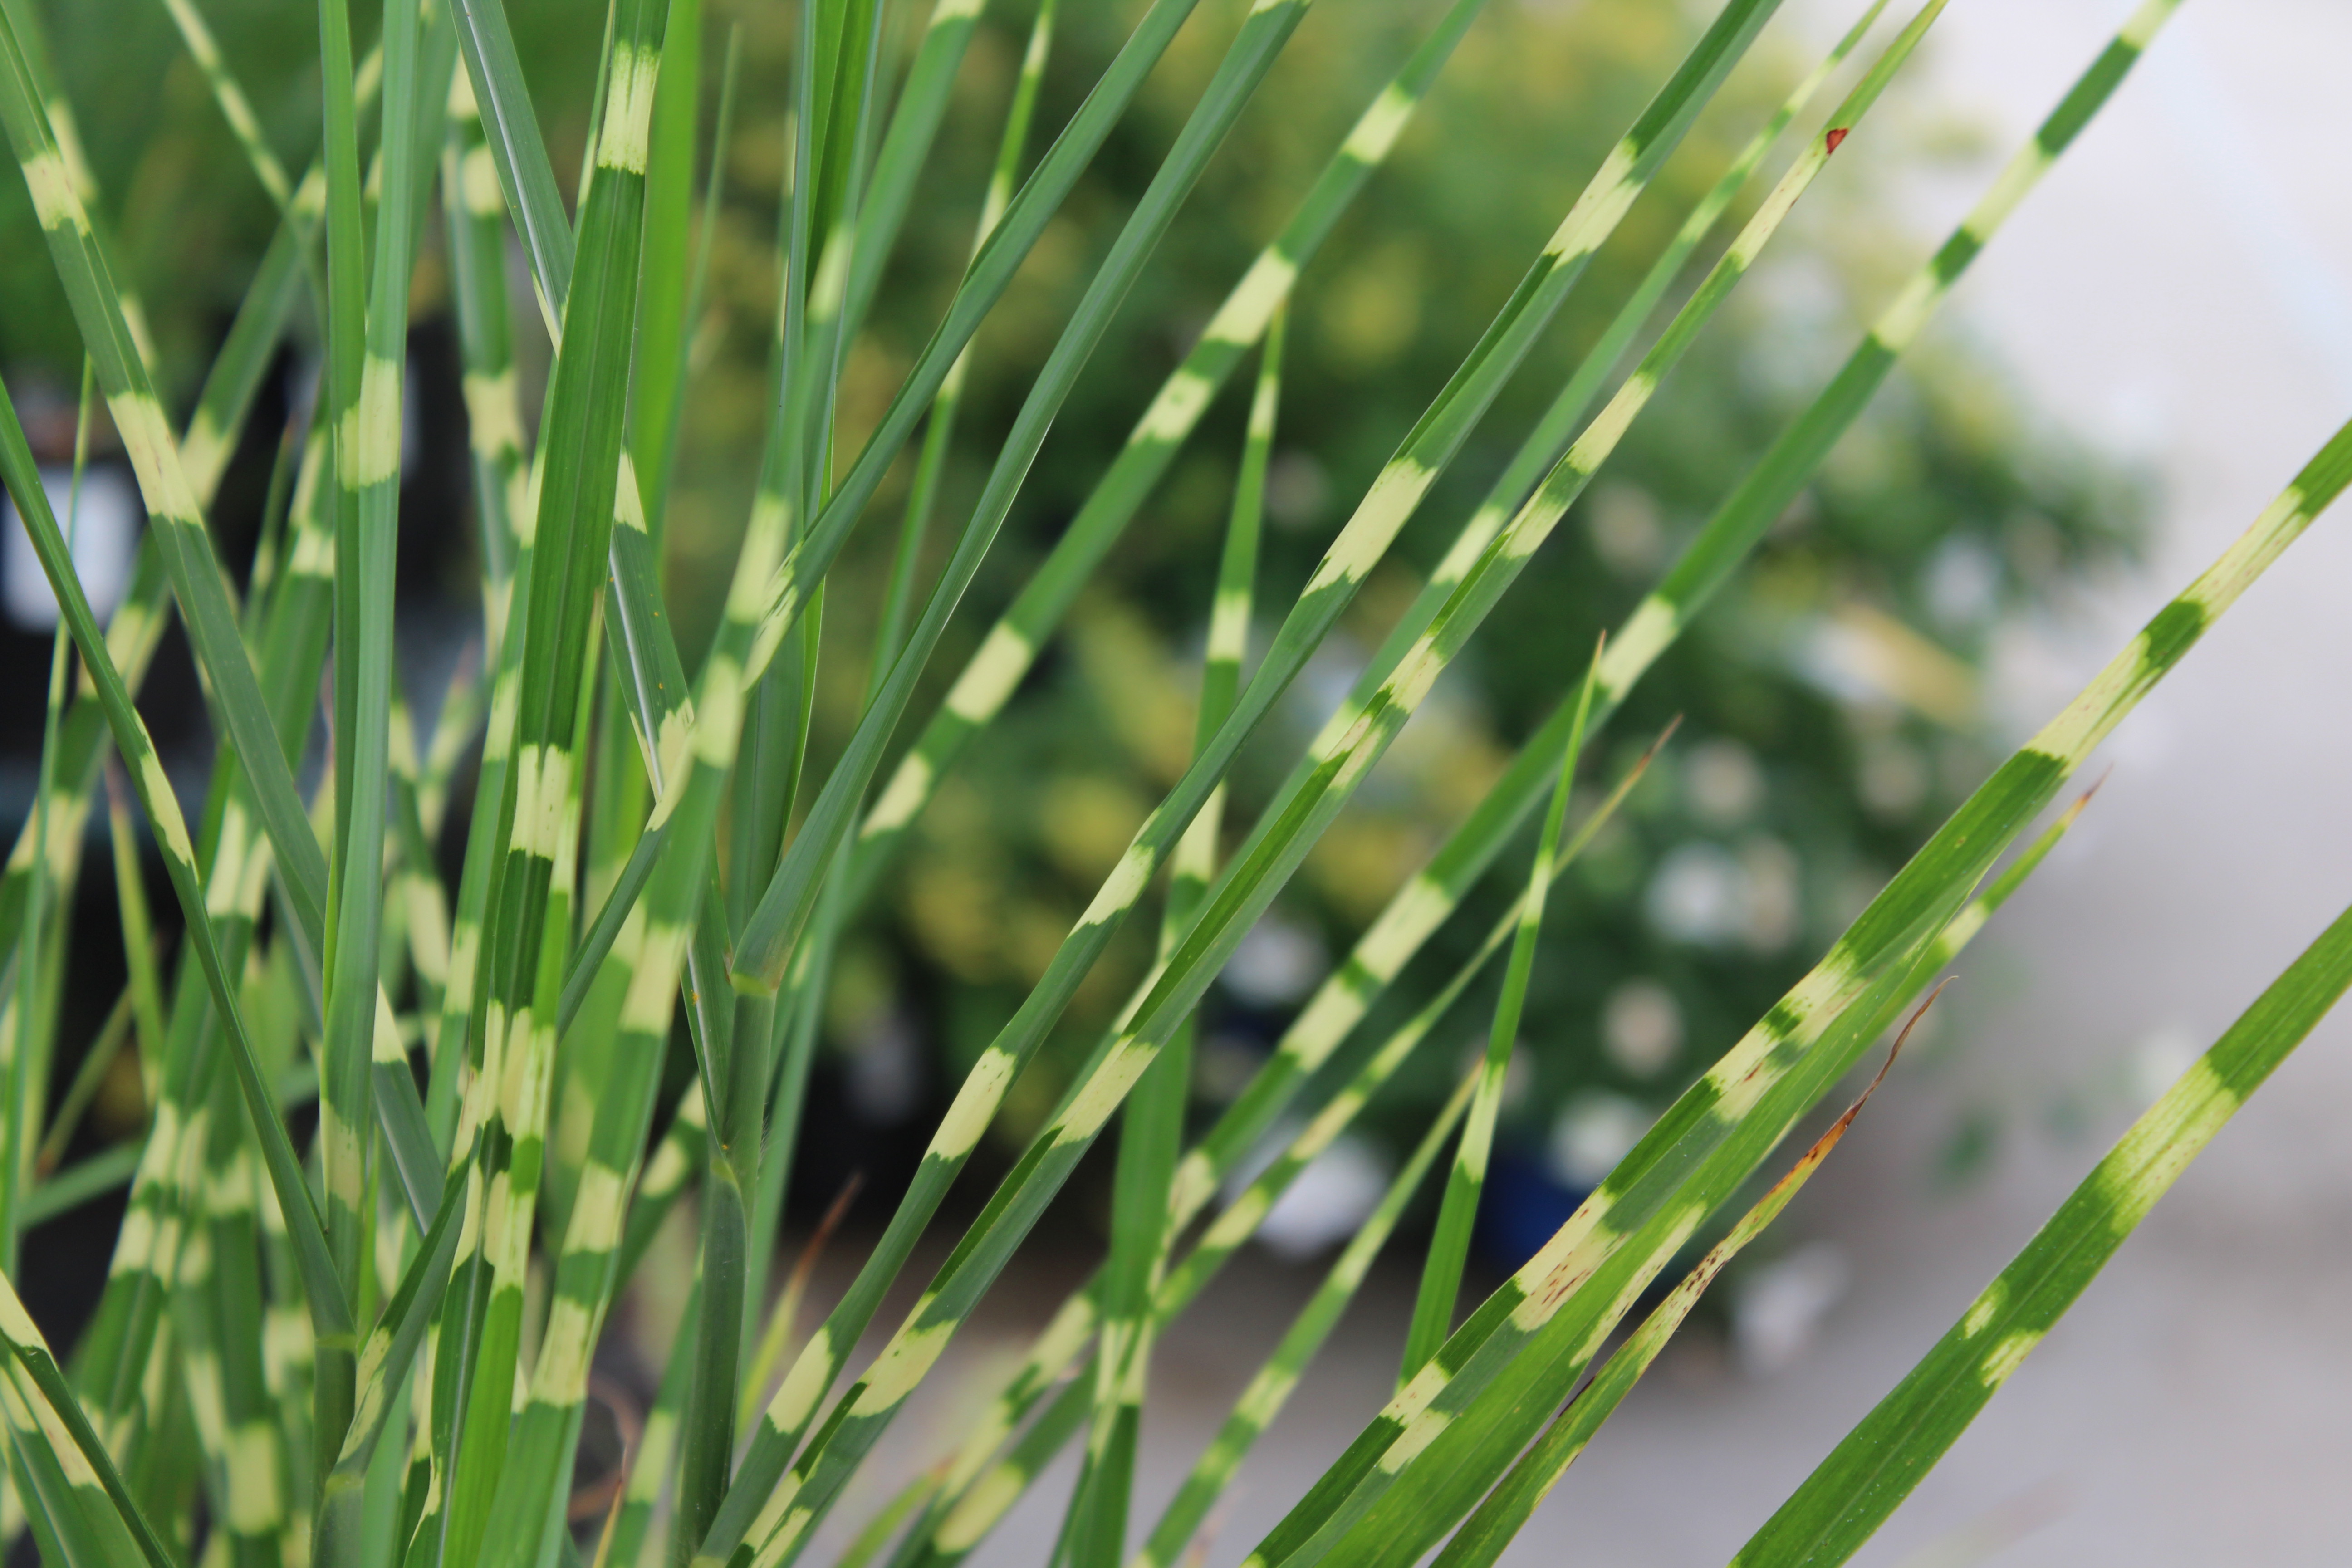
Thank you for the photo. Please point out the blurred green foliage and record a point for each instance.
(1818, 746)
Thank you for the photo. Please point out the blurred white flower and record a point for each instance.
(1779, 1307)
(1328, 1202)
(1295, 490)
(1627, 533)
(1641, 1026)
(1706, 894)
(1722, 782)
(2161, 1057)
(1593, 1133)
(1770, 893)
(1277, 962)
(1892, 777)
(1695, 894)
(1963, 583)
(1519, 1072)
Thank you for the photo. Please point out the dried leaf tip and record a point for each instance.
(2075, 810)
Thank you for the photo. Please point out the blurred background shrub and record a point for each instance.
(1829, 699)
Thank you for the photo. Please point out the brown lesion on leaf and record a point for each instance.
(1836, 137)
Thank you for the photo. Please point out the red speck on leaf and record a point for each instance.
(1834, 138)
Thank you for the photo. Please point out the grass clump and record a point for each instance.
(375, 1341)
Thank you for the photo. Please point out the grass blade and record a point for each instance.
(1058, 1347)
(139, 952)
(43, 1413)
(95, 1062)
(78, 1184)
(1883, 1458)
(1263, 1400)
(366, 364)
(384, 1364)
(664, 314)
(656, 1447)
(329, 1308)
(1482, 1538)
(1010, 647)
(1449, 1250)
(1440, 434)
(516, 153)
(947, 31)
(1151, 1131)
(1700, 1150)
(537, 827)
(27, 1023)
(235, 106)
(914, 125)
(177, 519)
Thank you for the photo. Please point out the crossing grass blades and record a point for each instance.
(314, 1352)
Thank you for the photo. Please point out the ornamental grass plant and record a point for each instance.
(461, 1017)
